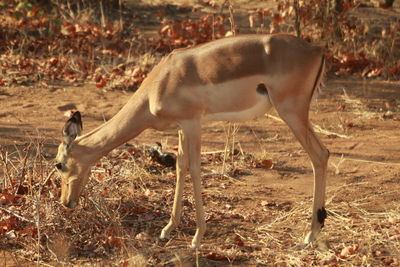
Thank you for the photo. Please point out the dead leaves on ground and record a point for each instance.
(37, 45)
(186, 33)
(354, 47)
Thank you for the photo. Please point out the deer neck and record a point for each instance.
(129, 122)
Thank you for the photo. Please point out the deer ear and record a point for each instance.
(72, 128)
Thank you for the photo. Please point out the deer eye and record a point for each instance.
(59, 166)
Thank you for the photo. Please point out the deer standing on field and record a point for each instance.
(231, 79)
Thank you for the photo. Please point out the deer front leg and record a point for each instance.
(181, 169)
(192, 130)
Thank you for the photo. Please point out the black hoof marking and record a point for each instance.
(321, 216)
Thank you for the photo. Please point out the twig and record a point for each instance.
(297, 18)
(274, 118)
(376, 162)
(16, 215)
(231, 18)
(39, 261)
(121, 23)
(48, 177)
(97, 206)
(103, 18)
(4, 159)
(38, 229)
(212, 152)
(222, 7)
(337, 166)
(232, 179)
(50, 250)
(319, 129)
(316, 127)
(230, 135)
(24, 162)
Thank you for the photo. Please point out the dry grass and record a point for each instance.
(355, 235)
(128, 200)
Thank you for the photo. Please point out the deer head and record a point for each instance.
(74, 174)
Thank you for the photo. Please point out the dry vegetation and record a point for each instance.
(129, 196)
(129, 202)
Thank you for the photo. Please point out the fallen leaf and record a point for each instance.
(238, 241)
(349, 250)
(101, 84)
(216, 256)
(267, 164)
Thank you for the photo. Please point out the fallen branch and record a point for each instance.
(48, 177)
(319, 129)
(274, 118)
(212, 152)
(374, 162)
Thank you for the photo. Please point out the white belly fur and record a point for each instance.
(228, 95)
(259, 109)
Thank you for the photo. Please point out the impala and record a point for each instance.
(231, 79)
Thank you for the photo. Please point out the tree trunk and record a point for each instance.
(297, 17)
(337, 9)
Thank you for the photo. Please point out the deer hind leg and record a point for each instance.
(297, 120)
(181, 170)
